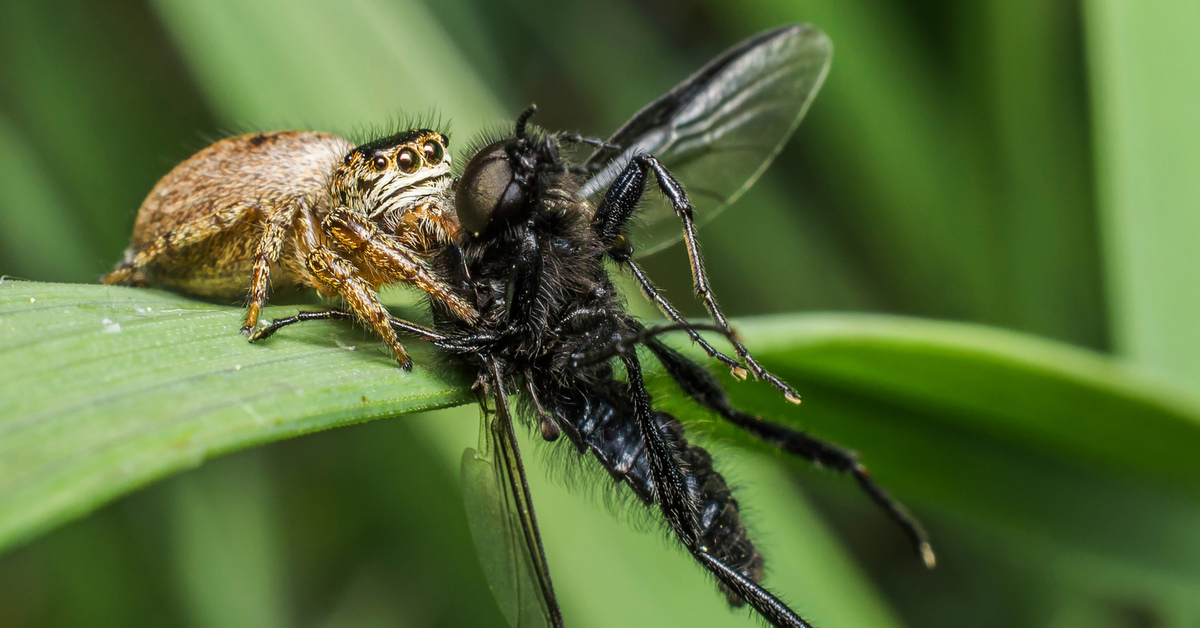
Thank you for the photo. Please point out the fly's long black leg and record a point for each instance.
(624, 343)
(672, 492)
(674, 497)
(701, 386)
(683, 208)
(455, 343)
(669, 310)
(766, 604)
(268, 330)
(614, 212)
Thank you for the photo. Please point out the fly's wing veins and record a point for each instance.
(720, 129)
(504, 526)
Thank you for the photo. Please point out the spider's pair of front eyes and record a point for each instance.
(408, 161)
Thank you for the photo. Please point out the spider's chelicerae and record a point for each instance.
(299, 209)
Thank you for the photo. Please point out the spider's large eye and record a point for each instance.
(379, 162)
(488, 189)
(407, 160)
(433, 152)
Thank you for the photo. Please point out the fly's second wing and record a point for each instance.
(504, 526)
(720, 129)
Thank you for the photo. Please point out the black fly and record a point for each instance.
(537, 231)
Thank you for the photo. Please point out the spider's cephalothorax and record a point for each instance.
(398, 183)
(299, 209)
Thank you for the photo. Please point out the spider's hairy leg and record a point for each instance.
(266, 254)
(203, 227)
(362, 240)
(705, 390)
(341, 277)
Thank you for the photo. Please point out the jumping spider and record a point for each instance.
(300, 209)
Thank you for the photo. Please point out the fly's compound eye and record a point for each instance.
(433, 152)
(379, 162)
(408, 161)
(488, 189)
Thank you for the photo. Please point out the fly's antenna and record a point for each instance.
(524, 118)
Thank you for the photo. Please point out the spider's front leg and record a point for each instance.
(389, 260)
(342, 277)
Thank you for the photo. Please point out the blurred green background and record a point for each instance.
(1027, 164)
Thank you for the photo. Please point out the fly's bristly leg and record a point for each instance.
(678, 505)
(400, 325)
(614, 212)
(669, 310)
(624, 343)
(618, 206)
(769, 606)
(672, 493)
(683, 208)
(703, 388)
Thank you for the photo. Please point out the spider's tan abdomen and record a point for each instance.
(197, 230)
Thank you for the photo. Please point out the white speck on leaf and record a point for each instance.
(237, 367)
(140, 310)
(110, 327)
(345, 346)
(32, 300)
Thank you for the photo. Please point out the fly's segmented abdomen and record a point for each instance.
(601, 421)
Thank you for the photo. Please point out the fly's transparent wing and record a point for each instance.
(504, 527)
(718, 130)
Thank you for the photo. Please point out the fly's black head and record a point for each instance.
(492, 188)
(495, 185)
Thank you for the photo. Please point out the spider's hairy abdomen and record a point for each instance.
(235, 183)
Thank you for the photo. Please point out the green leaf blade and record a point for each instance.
(1016, 388)
(113, 387)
